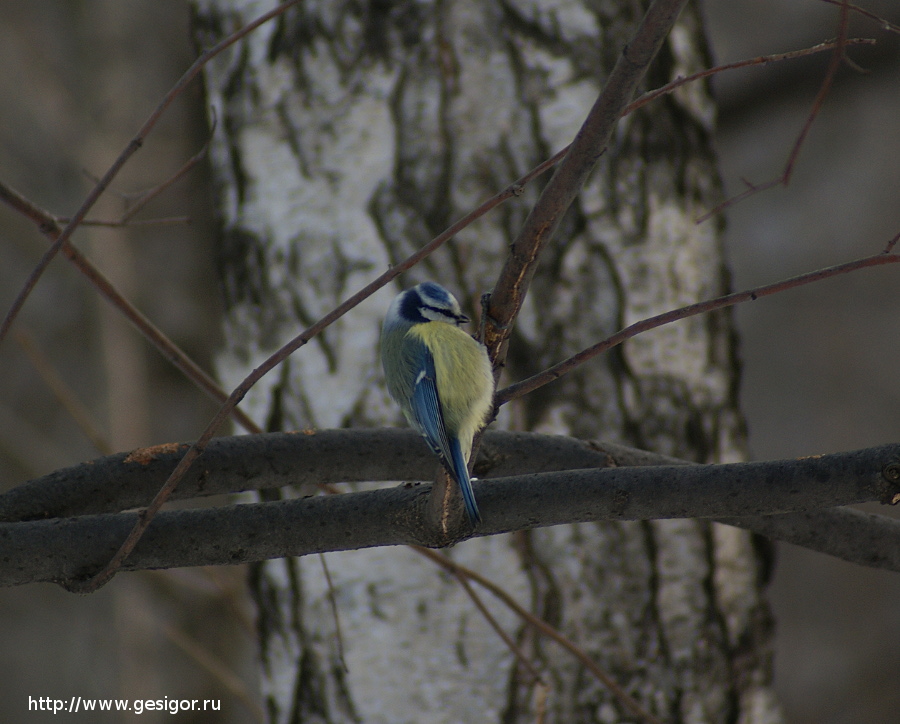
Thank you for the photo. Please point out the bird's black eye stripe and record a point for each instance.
(458, 318)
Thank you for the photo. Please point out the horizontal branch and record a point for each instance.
(863, 538)
(274, 460)
(68, 550)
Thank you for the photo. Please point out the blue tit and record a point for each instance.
(440, 377)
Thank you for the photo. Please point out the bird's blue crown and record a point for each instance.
(430, 302)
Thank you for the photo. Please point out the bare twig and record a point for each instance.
(488, 616)
(217, 668)
(63, 393)
(188, 165)
(785, 177)
(126, 154)
(117, 223)
(190, 369)
(885, 24)
(47, 221)
(761, 60)
(558, 370)
(502, 306)
(544, 628)
(837, 57)
(335, 613)
(514, 279)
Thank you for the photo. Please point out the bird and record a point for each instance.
(439, 376)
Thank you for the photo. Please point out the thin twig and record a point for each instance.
(215, 667)
(117, 223)
(558, 370)
(885, 24)
(494, 624)
(188, 165)
(837, 57)
(63, 393)
(332, 600)
(543, 627)
(512, 284)
(761, 60)
(126, 154)
(190, 369)
(674, 85)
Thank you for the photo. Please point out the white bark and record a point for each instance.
(352, 133)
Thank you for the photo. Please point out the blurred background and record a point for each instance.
(820, 371)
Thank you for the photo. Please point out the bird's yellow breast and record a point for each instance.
(464, 379)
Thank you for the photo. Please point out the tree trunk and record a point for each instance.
(351, 133)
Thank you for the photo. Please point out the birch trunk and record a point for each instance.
(351, 133)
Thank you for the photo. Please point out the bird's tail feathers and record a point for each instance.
(460, 473)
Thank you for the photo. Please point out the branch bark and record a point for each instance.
(273, 460)
(67, 550)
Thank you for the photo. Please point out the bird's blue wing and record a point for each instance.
(427, 411)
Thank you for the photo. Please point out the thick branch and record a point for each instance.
(853, 535)
(65, 550)
(255, 462)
